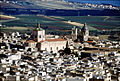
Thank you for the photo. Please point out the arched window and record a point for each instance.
(57, 48)
(51, 48)
(39, 36)
(35, 36)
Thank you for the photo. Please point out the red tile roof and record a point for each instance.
(30, 41)
(53, 40)
(50, 40)
(90, 41)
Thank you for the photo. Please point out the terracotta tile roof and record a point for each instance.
(15, 66)
(15, 71)
(52, 40)
(30, 41)
(40, 41)
(90, 41)
(91, 51)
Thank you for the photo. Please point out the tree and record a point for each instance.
(67, 51)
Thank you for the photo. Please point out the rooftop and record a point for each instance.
(30, 41)
(52, 40)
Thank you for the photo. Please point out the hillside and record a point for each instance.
(5, 18)
(39, 4)
(67, 22)
(52, 4)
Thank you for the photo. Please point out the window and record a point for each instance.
(57, 48)
(51, 48)
(35, 36)
(43, 36)
(40, 36)
(46, 49)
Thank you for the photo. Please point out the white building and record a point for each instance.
(74, 33)
(52, 45)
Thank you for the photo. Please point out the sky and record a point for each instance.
(113, 2)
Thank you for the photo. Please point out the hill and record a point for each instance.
(52, 4)
(67, 22)
(5, 18)
(57, 8)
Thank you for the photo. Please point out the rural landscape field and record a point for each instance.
(63, 23)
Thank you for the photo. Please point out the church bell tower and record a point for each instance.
(38, 34)
(85, 33)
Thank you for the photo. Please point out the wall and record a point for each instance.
(54, 46)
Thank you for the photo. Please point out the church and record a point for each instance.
(82, 35)
(43, 43)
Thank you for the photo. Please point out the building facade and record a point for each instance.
(74, 33)
(52, 45)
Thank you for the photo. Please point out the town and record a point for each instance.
(42, 57)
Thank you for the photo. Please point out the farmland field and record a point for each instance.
(4, 18)
(57, 23)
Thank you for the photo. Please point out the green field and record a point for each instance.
(98, 22)
(55, 23)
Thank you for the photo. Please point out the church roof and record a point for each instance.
(30, 41)
(52, 40)
(84, 27)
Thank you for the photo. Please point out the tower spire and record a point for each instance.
(38, 25)
(85, 24)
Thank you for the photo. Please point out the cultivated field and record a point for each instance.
(57, 23)
(98, 22)
(5, 18)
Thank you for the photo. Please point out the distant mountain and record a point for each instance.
(51, 4)
(112, 2)
(57, 7)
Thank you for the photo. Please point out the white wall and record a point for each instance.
(42, 34)
(54, 45)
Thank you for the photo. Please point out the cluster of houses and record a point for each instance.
(40, 57)
(66, 3)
